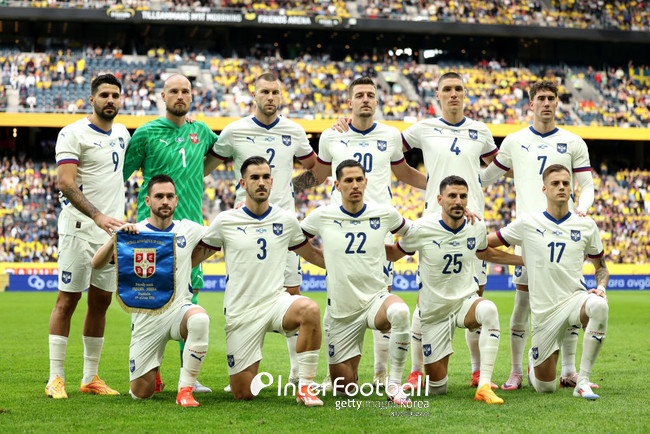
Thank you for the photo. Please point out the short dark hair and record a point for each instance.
(159, 179)
(359, 81)
(104, 79)
(348, 163)
(450, 74)
(452, 180)
(554, 168)
(542, 85)
(267, 76)
(254, 161)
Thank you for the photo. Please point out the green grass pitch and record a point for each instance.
(621, 371)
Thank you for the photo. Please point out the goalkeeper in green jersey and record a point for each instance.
(172, 146)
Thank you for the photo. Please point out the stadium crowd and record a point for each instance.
(30, 207)
(54, 82)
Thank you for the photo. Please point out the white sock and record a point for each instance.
(398, 317)
(293, 358)
(472, 339)
(307, 365)
(92, 353)
(196, 347)
(381, 341)
(597, 310)
(519, 329)
(488, 316)
(544, 386)
(438, 387)
(568, 351)
(417, 358)
(58, 345)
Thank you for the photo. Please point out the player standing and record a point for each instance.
(177, 148)
(448, 295)
(353, 235)
(89, 158)
(451, 145)
(183, 320)
(554, 244)
(378, 147)
(528, 152)
(255, 239)
(278, 139)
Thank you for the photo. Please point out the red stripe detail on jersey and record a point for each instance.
(490, 153)
(581, 169)
(505, 243)
(400, 226)
(404, 251)
(306, 156)
(324, 162)
(405, 143)
(482, 250)
(211, 152)
(600, 255)
(67, 161)
(395, 163)
(499, 165)
(307, 234)
(208, 246)
(298, 245)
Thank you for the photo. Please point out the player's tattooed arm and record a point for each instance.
(200, 254)
(303, 181)
(602, 273)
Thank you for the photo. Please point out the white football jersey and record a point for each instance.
(451, 150)
(554, 253)
(377, 148)
(445, 264)
(188, 235)
(99, 157)
(255, 249)
(278, 143)
(353, 247)
(528, 153)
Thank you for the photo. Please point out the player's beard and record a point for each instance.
(177, 111)
(453, 217)
(252, 194)
(106, 116)
(157, 212)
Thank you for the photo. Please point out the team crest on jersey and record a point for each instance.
(231, 361)
(131, 365)
(561, 148)
(66, 276)
(286, 140)
(473, 134)
(331, 350)
(181, 242)
(575, 235)
(121, 143)
(426, 349)
(471, 243)
(535, 352)
(382, 145)
(144, 262)
(375, 223)
(277, 228)
(194, 138)
(518, 271)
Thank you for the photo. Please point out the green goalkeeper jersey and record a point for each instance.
(162, 147)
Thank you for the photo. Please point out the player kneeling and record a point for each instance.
(182, 321)
(448, 296)
(554, 244)
(255, 239)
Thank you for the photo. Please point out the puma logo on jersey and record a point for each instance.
(242, 229)
(340, 223)
(165, 142)
(439, 130)
(437, 244)
(527, 148)
(251, 139)
(345, 143)
(97, 144)
(541, 232)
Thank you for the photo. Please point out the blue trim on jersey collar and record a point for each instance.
(266, 127)
(557, 222)
(453, 231)
(155, 229)
(454, 125)
(354, 215)
(366, 131)
(255, 216)
(99, 130)
(550, 133)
